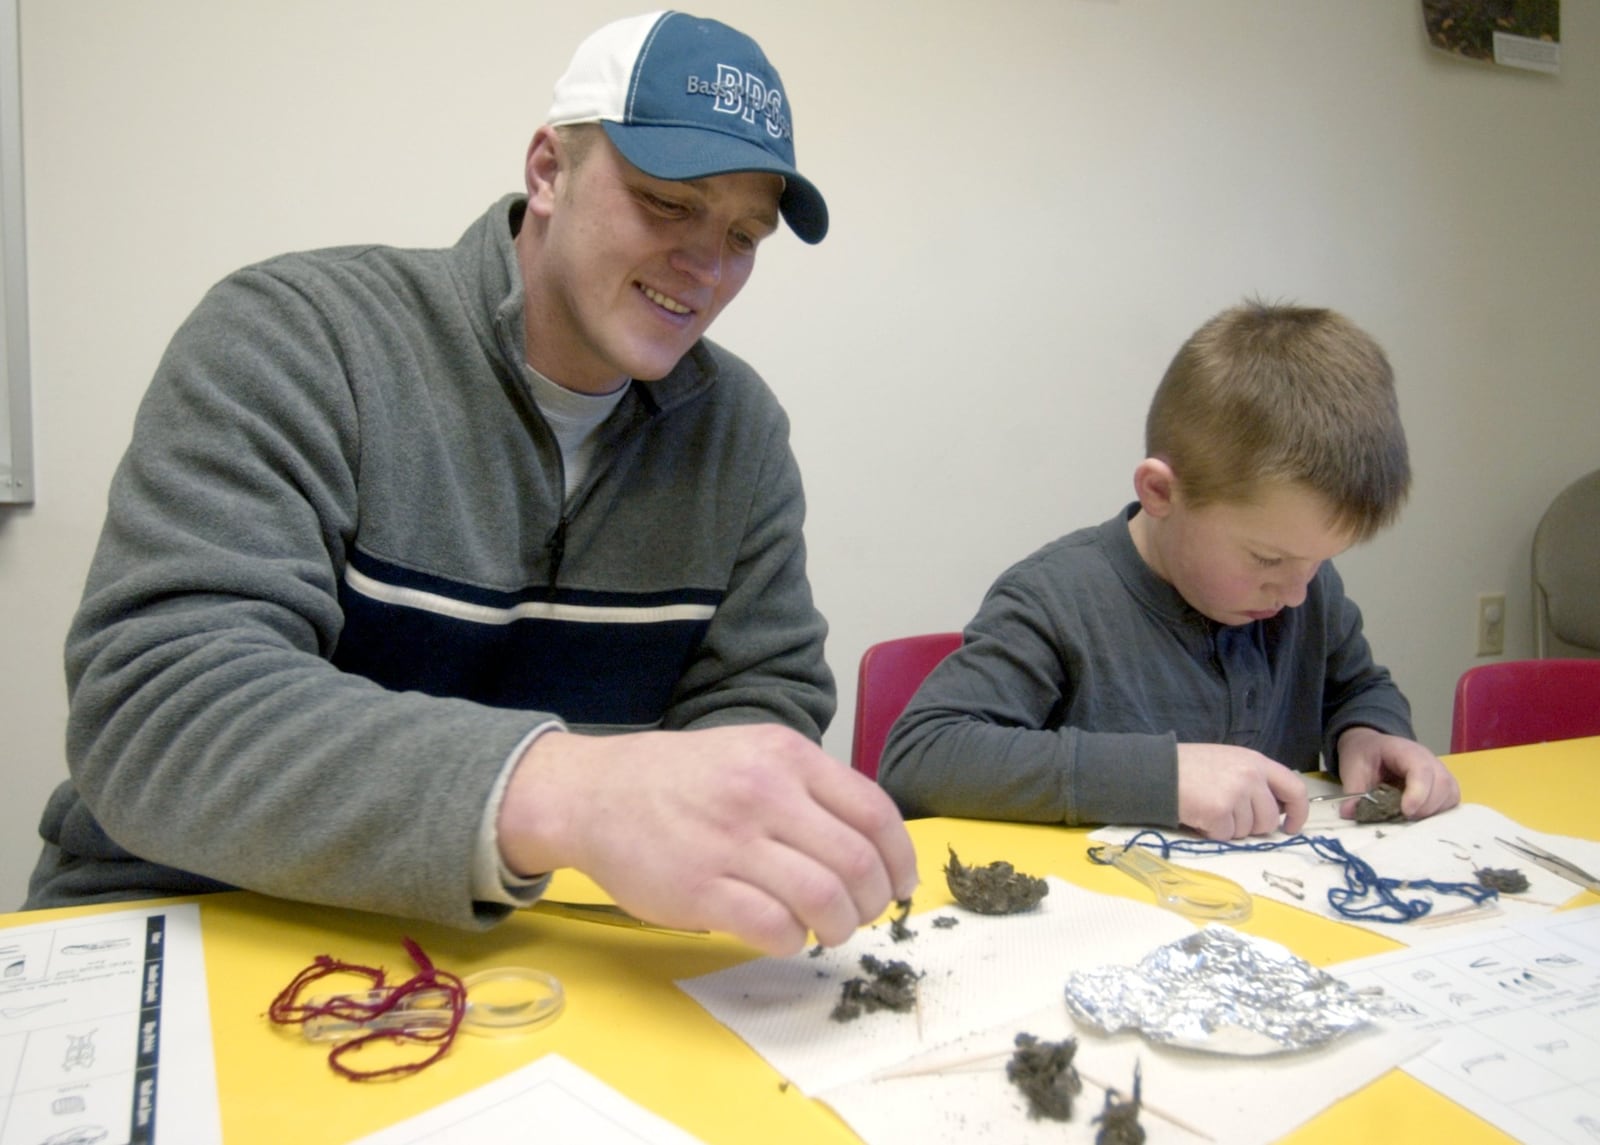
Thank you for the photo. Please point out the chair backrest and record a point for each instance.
(890, 674)
(1525, 701)
(1566, 569)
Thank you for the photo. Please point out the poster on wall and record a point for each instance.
(1512, 33)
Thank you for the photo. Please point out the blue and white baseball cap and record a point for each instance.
(685, 98)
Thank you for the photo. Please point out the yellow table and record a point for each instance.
(626, 1023)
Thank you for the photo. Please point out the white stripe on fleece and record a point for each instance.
(527, 610)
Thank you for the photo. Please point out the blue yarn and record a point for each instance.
(1361, 882)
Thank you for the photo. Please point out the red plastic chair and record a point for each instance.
(1525, 701)
(890, 674)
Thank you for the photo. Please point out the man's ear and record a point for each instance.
(544, 162)
(1156, 486)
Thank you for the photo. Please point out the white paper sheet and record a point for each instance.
(105, 1031)
(1446, 848)
(549, 1100)
(976, 974)
(1517, 1013)
(985, 981)
(1188, 1097)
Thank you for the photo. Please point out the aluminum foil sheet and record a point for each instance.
(1219, 991)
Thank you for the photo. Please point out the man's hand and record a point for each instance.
(1367, 757)
(751, 830)
(1229, 792)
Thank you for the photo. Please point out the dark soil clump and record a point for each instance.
(898, 930)
(1506, 880)
(1044, 1072)
(1119, 1120)
(994, 889)
(892, 986)
(1380, 805)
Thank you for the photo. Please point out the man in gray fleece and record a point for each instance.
(427, 573)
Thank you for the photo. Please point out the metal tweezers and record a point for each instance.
(1552, 862)
(1367, 795)
(607, 913)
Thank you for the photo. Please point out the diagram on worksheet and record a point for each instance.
(105, 1035)
(1517, 1010)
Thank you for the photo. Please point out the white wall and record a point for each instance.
(1034, 202)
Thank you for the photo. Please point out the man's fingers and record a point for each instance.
(836, 861)
(869, 812)
(827, 902)
(779, 894)
(752, 915)
(834, 850)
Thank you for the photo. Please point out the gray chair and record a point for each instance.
(1566, 571)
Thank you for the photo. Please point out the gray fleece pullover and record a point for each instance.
(1083, 670)
(339, 582)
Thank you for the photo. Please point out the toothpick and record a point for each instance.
(973, 1063)
(1460, 914)
(1531, 901)
(980, 1063)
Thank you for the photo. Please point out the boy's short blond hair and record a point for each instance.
(1283, 393)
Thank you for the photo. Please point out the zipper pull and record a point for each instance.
(557, 549)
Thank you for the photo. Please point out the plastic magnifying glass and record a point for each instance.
(1197, 894)
(502, 1001)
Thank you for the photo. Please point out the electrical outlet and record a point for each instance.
(1491, 623)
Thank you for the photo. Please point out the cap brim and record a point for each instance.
(695, 153)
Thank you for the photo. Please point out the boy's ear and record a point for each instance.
(1156, 486)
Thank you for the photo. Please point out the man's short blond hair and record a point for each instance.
(1264, 393)
(577, 140)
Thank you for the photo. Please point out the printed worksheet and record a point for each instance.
(105, 1032)
(1517, 1012)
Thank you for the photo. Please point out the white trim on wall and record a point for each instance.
(16, 424)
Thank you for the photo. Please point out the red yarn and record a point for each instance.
(287, 1010)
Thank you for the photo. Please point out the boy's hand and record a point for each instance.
(1229, 792)
(1367, 757)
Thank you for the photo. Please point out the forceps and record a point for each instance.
(1552, 862)
(607, 913)
(1367, 794)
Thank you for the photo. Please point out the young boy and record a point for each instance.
(1181, 662)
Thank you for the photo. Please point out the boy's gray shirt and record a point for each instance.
(366, 408)
(1083, 670)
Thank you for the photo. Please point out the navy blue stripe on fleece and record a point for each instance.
(591, 658)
